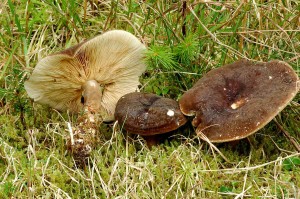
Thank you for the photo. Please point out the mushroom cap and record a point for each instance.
(148, 114)
(236, 100)
(113, 59)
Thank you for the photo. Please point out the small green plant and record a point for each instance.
(225, 189)
(291, 163)
(161, 57)
(7, 189)
(188, 50)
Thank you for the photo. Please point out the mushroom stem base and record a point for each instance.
(84, 136)
(151, 140)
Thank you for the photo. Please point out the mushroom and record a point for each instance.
(148, 115)
(236, 100)
(92, 75)
(89, 77)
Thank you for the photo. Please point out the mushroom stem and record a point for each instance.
(151, 140)
(92, 94)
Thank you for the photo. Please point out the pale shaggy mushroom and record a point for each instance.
(92, 75)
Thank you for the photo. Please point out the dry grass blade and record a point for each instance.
(213, 147)
(288, 136)
(214, 37)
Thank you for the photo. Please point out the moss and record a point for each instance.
(33, 156)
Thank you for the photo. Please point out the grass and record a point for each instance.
(185, 40)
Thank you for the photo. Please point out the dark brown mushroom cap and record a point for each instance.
(236, 100)
(148, 114)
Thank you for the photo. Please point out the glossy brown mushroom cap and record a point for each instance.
(148, 114)
(236, 100)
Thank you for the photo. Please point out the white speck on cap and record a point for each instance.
(170, 113)
(234, 106)
(270, 77)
